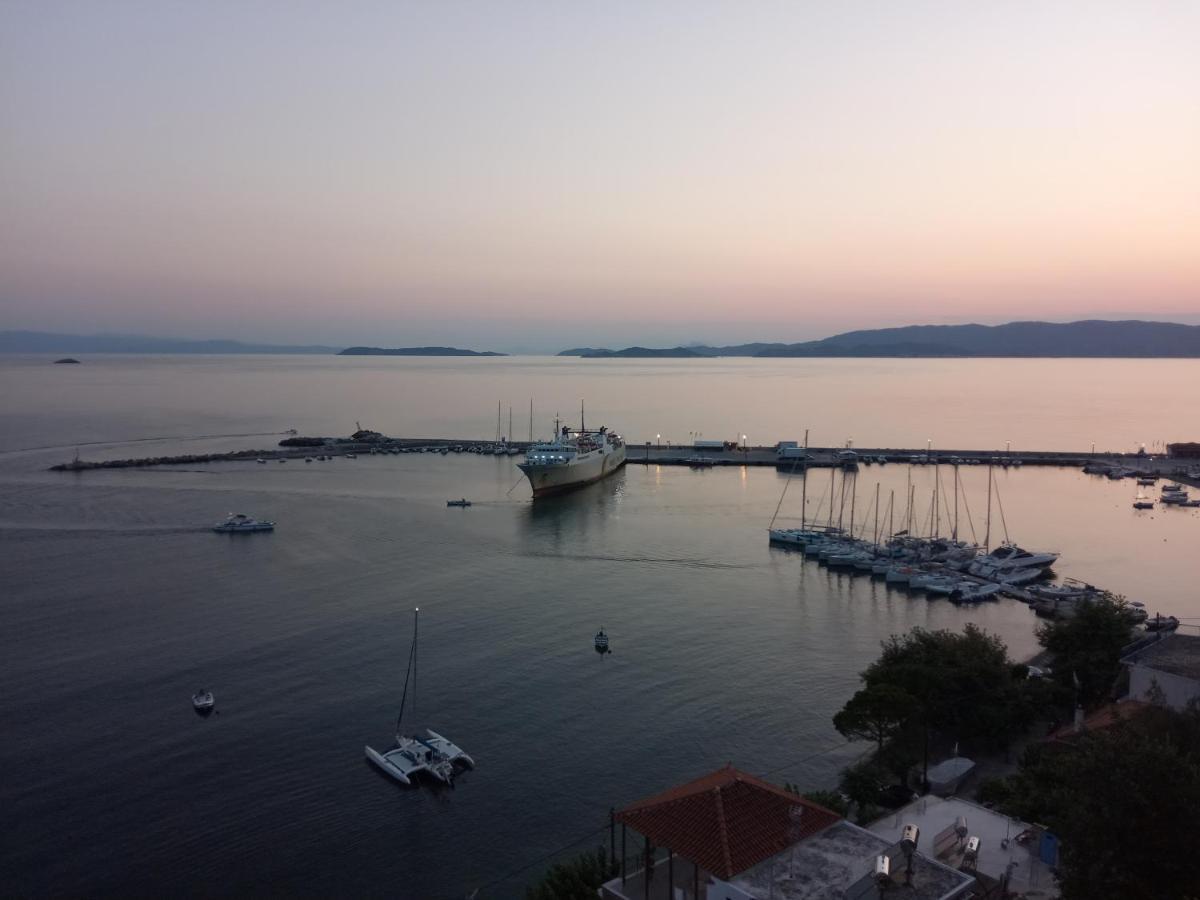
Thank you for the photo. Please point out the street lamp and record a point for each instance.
(658, 440)
(743, 443)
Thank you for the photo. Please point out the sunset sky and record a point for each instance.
(532, 176)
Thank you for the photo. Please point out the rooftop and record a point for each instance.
(934, 815)
(1105, 717)
(1175, 654)
(827, 864)
(726, 821)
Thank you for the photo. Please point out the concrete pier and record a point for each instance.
(674, 455)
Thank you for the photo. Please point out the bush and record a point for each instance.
(576, 879)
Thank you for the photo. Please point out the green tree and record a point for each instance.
(1125, 804)
(876, 713)
(1088, 647)
(576, 879)
(962, 685)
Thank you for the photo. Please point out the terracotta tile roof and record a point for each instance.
(1103, 718)
(726, 821)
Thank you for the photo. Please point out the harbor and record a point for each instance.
(784, 456)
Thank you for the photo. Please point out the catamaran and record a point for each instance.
(413, 754)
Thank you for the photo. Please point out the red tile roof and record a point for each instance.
(1103, 718)
(726, 821)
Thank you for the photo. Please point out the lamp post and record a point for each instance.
(658, 441)
(745, 449)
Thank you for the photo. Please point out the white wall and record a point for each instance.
(1176, 688)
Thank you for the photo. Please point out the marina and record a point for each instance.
(714, 632)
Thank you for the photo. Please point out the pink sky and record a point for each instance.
(530, 176)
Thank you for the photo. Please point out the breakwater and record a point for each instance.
(669, 455)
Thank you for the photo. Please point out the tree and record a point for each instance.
(962, 685)
(876, 713)
(576, 879)
(1088, 647)
(1124, 802)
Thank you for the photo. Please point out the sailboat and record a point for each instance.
(412, 754)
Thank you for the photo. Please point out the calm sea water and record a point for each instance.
(118, 602)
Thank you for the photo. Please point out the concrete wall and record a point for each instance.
(1176, 688)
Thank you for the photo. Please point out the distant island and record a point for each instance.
(639, 353)
(67, 360)
(51, 342)
(416, 351)
(1092, 338)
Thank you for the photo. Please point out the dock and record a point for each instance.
(650, 453)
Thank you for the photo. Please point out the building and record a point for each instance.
(731, 836)
(1171, 664)
(1185, 450)
(1009, 854)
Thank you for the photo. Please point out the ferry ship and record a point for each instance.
(572, 459)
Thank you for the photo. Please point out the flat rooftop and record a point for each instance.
(826, 864)
(1030, 876)
(1176, 654)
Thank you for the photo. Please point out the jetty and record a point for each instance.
(710, 454)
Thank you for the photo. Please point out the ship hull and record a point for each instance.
(546, 481)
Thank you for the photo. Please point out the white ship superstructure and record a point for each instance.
(572, 459)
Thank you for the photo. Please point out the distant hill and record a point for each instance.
(1093, 338)
(643, 353)
(416, 351)
(50, 342)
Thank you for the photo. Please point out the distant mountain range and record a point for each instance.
(1093, 338)
(416, 351)
(636, 353)
(48, 342)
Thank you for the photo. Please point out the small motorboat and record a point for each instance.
(601, 642)
(261, 461)
(203, 700)
(1143, 504)
(238, 523)
(464, 503)
(351, 456)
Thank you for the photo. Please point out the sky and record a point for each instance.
(535, 176)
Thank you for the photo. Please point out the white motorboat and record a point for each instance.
(261, 461)
(239, 523)
(203, 700)
(601, 642)
(1010, 556)
(974, 592)
(413, 754)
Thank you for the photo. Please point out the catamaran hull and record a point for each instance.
(548, 480)
(387, 766)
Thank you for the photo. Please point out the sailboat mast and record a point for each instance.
(987, 538)
(877, 515)
(531, 420)
(497, 421)
(937, 518)
(804, 487)
(416, 616)
(853, 497)
(582, 427)
(832, 474)
(956, 503)
(891, 504)
(510, 436)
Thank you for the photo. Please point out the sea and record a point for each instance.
(118, 602)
